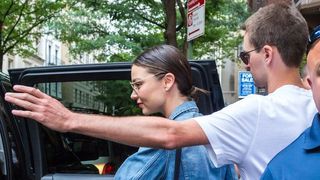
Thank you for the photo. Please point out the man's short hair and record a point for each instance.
(280, 25)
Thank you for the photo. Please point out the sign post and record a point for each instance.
(196, 18)
(245, 84)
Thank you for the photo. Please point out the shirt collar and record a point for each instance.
(184, 107)
(312, 134)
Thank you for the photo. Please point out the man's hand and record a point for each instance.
(40, 107)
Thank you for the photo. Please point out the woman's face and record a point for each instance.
(148, 91)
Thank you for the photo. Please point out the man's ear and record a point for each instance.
(268, 53)
(169, 80)
(309, 81)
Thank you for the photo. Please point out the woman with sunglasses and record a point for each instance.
(162, 83)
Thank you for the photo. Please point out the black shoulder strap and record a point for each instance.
(177, 164)
(178, 159)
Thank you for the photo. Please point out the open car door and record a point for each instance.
(97, 89)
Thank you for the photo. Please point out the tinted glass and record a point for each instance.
(74, 153)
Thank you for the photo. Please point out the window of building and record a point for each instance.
(50, 60)
(10, 63)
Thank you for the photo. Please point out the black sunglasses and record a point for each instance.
(245, 56)
(314, 36)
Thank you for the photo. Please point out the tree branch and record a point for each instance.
(15, 43)
(183, 16)
(16, 23)
(37, 23)
(8, 11)
(99, 30)
(147, 19)
(26, 33)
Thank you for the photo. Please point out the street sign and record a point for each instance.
(196, 18)
(245, 84)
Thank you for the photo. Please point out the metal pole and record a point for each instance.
(190, 50)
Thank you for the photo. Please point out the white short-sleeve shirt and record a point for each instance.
(253, 130)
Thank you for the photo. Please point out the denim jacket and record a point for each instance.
(150, 163)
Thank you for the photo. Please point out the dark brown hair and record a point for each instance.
(280, 25)
(164, 59)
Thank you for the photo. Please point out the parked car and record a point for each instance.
(30, 151)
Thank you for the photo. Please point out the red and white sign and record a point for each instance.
(196, 19)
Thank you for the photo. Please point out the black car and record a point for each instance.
(30, 151)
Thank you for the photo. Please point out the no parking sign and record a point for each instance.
(196, 19)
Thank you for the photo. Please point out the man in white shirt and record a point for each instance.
(248, 133)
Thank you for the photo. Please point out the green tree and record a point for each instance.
(119, 30)
(117, 103)
(222, 34)
(20, 24)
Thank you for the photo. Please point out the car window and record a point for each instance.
(75, 153)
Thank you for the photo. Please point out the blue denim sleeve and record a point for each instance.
(147, 163)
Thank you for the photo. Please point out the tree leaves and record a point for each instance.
(115, 30)
(124, 28)
(21, 24)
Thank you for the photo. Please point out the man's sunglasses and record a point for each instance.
(314, 36)
(245, 56)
